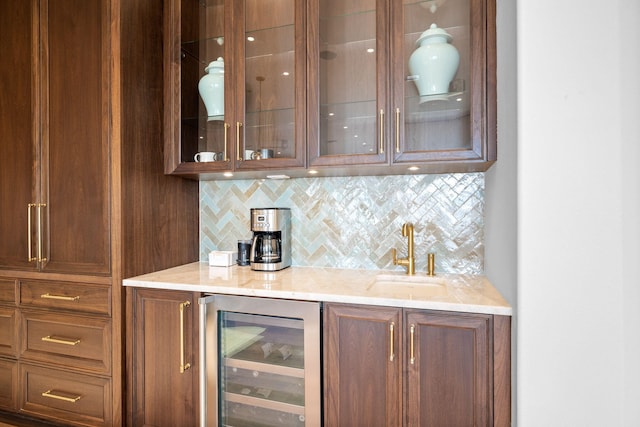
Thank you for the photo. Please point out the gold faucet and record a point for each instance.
(409, 261)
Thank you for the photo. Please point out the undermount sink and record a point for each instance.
(406, 286)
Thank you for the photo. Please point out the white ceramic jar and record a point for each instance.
(434, 63)
(211, 88)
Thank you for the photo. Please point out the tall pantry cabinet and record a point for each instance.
(83, 198)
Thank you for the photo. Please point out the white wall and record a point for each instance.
(578, 250)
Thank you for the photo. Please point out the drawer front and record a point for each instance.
(74, 341)
(8, 331)
(65, 396)
(8, 384)
(7, 291)
(66, 296)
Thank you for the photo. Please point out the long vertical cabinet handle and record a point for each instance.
(381, 131)
(226, 131)
(183, 366)
(30, 257)
(238, 153)
(412, 355)
(392, 354)
(397, 130)
(39, 209)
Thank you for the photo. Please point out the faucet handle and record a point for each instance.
(394, 254)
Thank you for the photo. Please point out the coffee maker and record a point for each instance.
(271, 243)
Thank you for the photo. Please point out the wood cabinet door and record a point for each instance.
(448, 369)
(18, 185)
(76, 139)
(161, 393)
(454, 124)
(362, 366)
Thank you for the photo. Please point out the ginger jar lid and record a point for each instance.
(216, 66)
(433, 34)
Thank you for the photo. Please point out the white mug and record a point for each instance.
(205, 156)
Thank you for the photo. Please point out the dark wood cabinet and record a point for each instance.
(362, 366)
(262, 46)
(365, 101)
(326, 86)
(163, 352)
(55, 150)
(395, 367)
(85, 199)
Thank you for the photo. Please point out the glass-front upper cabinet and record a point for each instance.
(235, 74)
(349, 53)
(271, 81)
(404, 82)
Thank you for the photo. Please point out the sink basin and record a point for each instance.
(405, 286)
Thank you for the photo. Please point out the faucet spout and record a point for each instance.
(409, 261)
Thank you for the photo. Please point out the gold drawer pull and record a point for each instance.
(49, 393)
(60, 297)
(60, 340)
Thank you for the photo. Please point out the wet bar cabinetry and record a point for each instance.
(80, 156)
(325, 86)
(262, 45)
(163, 348)
(432, 368)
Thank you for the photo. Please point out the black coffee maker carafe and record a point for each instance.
(271, 243)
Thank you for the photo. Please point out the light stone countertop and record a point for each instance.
(450, 292)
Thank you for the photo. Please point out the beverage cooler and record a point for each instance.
(260, 362)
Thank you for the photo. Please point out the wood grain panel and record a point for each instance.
(362, 385)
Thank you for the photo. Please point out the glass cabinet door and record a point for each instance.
(271, 78)
(197, 74)
(350, 58)
(440, 80)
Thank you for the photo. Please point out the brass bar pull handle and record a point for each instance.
(397, 130)
(39, 208)
(60, 297)
(238, 153)
(29, 206)
(392, 354)
(381, 131)
(60, 340)
(226, 129)
(183, 366)
(412, 356)
(50, 394)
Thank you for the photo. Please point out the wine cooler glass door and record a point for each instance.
(263, 368)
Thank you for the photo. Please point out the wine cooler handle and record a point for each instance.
(392, 354)
(183, 366)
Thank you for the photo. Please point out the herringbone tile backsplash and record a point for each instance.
(353, 222)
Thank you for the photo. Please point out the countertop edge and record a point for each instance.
(156, 281)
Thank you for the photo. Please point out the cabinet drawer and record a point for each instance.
(74, 341)
(65, 396)
(7, 291)
(8, 331)
(8, 384)
(66, 296)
